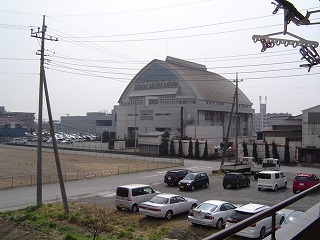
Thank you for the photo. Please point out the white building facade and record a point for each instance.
(166, 95)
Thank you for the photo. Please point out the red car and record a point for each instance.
(304, 181)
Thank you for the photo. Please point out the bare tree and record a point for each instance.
(95, 219)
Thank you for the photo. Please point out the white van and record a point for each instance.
(271, 180)
(131, 196)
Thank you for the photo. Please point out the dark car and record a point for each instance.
(194, 180)
(172, 177)
(304, 181)
(235, 180)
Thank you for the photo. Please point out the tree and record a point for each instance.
(164, 144)
(245, 149)
(196, 149)
(275, 153)
(190, 151)
(180, 149)
(266, 150)
(286, 153)
(205, 151)
(172, 151)
(105, 136)
(95, 219)
(254, 151)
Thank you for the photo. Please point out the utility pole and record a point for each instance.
(43, 84)
(237, 120)
(234, 104)
(181, 123)
(55, 148)
(39, 152)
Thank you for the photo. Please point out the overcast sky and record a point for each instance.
(102, 44)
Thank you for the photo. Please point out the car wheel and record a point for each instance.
(206, 185)
(224, 185)
(286, 185)
(259, 189)
(219, 223)
(193, 206)
(168, 215)
(275, 188)
(294, 191)
(134, 208)
(192, 188)
(119, 208)
(262, 232)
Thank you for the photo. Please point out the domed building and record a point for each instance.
(178, 95)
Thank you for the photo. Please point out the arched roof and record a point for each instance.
(204, 84)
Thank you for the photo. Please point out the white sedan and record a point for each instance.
(166, 205)
(212, 213)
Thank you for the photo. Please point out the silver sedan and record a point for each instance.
(166, 205)
(212, 213)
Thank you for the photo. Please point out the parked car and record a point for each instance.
(304, 181)
(131, 196)
(235, 180)
(258, 229)
(172, 177)
(22, 140)
(212, 213)
(194, 180)
(166, 205)
(271, 180)
(292, 217)
(67, 141)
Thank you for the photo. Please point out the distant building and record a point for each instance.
(27, 118)
(92, 123)
(263, 119)
(11, 127)
(310, 150)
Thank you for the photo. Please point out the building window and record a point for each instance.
(136, 101)
(314, 117)
(146, 115)
(167, 100)
(163, 129)
(208, 116)
(153, 101)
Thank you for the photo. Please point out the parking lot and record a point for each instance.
(216, 191)
(237, 196)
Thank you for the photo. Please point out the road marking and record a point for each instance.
(152, 176)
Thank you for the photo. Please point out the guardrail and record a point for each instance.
(257, 217)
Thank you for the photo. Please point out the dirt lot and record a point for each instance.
(19, 167)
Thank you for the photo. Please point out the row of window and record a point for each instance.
(158, 84)
(160, 100)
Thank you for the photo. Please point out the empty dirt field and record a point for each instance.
(19, 167)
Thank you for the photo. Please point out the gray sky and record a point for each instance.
(102, 44)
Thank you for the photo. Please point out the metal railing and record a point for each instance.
(257, 217)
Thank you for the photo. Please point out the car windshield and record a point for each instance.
(230, 176)
(159, 200)
(302, 179)
(207, 207)
(190, 176)
(264, 176)
(122, 192)
(239, 215)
